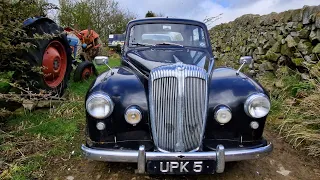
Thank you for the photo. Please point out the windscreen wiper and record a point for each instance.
(169, 44)
(141, 44)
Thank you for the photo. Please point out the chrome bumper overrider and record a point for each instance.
(221, 155)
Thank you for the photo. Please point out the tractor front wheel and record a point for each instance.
(84, 71)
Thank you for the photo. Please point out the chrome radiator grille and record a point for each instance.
(178, 106)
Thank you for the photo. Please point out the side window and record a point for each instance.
(196, 34)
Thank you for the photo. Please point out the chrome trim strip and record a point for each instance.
(132, 156)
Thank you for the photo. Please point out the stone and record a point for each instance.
(29, 104)
(317, 20)
(283, 41)
(279, 84)
(316, 49)
(310, 58)
(276, 47)
(279, 37)
(262, 40)
(285, 50)
(260, 51)
(297, 15)
(267, 45)
(299, 26)
(305, 76)
(290, 41)
(305, 47)
(266, 66)
(286, 16)
(315, 36)
(282, 60)
(289, 26)
(252, 72)
(294, 34)
(282, 71)
(298, 61)
(306, 12)
(297, 55)
(283, 31)
(303, 33)
(272, 56)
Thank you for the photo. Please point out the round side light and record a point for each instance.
(133, 115)
(223, 115)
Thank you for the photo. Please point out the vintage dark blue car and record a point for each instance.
(168, 109)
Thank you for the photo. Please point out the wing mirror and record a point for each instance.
(244, 60)
(101, 60)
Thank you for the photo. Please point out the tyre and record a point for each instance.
(52, 53)
(84, 70)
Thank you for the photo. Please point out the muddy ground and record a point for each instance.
(283, 163)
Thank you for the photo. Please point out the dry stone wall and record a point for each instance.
(290, 38)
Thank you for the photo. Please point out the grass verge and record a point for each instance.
(30, 141)
(295, 111)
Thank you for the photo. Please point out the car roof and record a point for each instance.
(166, 20)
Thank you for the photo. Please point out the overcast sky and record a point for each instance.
(199, 9)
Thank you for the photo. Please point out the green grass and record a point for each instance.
(295, 111)
(49, 131)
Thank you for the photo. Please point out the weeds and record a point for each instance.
(30, 141)
(295, 109)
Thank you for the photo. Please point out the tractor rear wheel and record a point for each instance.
(52, 54)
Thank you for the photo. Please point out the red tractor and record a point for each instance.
(57, 54)
(85, 45)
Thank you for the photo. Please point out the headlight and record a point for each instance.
(133, 116)
(257, 105)
(99, 105)
(223, 115)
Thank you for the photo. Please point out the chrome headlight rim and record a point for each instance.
(103, 96)
(220, 108)
(250, 99)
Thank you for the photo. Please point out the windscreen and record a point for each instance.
(180, 34)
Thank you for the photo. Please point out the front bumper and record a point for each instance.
(221, 155)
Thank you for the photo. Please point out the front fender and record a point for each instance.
(227, 88)
(125, 89)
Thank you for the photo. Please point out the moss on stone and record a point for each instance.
(279, 37)
(285, 50)
(299, 26)
(272, 56)
(305, 47)
(316, 49)
(276, 47)
(297, 61)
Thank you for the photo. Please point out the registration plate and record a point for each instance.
(181, 167)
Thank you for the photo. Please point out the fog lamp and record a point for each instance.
(133, 116)
(101, 126)
(223, 115)
(254, 125)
